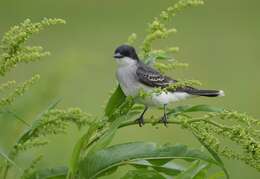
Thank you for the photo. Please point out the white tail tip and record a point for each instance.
(221, 93)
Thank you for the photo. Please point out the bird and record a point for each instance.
(134, 75)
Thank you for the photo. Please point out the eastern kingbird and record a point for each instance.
(133, 75)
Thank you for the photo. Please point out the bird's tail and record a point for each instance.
(208, 93)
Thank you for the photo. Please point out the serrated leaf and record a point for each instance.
(102, 160)
(116, 99)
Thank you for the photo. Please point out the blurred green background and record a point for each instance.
(220, 41)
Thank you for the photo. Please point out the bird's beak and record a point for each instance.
(118, 55)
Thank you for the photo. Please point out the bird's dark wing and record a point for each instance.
(151, 77)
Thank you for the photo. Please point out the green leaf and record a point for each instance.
(217, 175)
(10, 161)
(49, 173)
(159, 162)
(142, 173)
(102, 160)
(117, 98)
(108, 172)
(108, 136)
(125, 109)
(197, 108)
(13, 114)
(51, 106)
(150, 60)
(162, 55)
(193, 171)
(170, 168)
(203, 108)
(79, 147)
(36, 122)
(214, 155)
(203, 172)
(179, 109)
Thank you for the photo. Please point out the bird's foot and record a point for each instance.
(164, 120)
(140, 121)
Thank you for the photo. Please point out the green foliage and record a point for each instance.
(51, 121)
(158, 27)
(142, 173)
(243, 132)
(52, 173)
(117, 98)
(123, 154)
(131, 39)
(27, 172)
(194, 171)
(92, 155)
(14, 52)
(12, 44)
(197, 108)
(79, 150)
(162, 166)
(7, 85)
(10, 161)
(19, 91)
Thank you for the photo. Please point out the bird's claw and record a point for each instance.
(140, 121)
(164, 120)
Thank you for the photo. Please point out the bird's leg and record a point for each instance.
(140, 120)
(165, 117)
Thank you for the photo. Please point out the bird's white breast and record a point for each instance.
(167, 98)
(126, 76)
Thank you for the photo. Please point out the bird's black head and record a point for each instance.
(125, 51)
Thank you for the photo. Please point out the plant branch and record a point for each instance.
(98, 135)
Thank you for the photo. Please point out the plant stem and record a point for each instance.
(153, 122)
